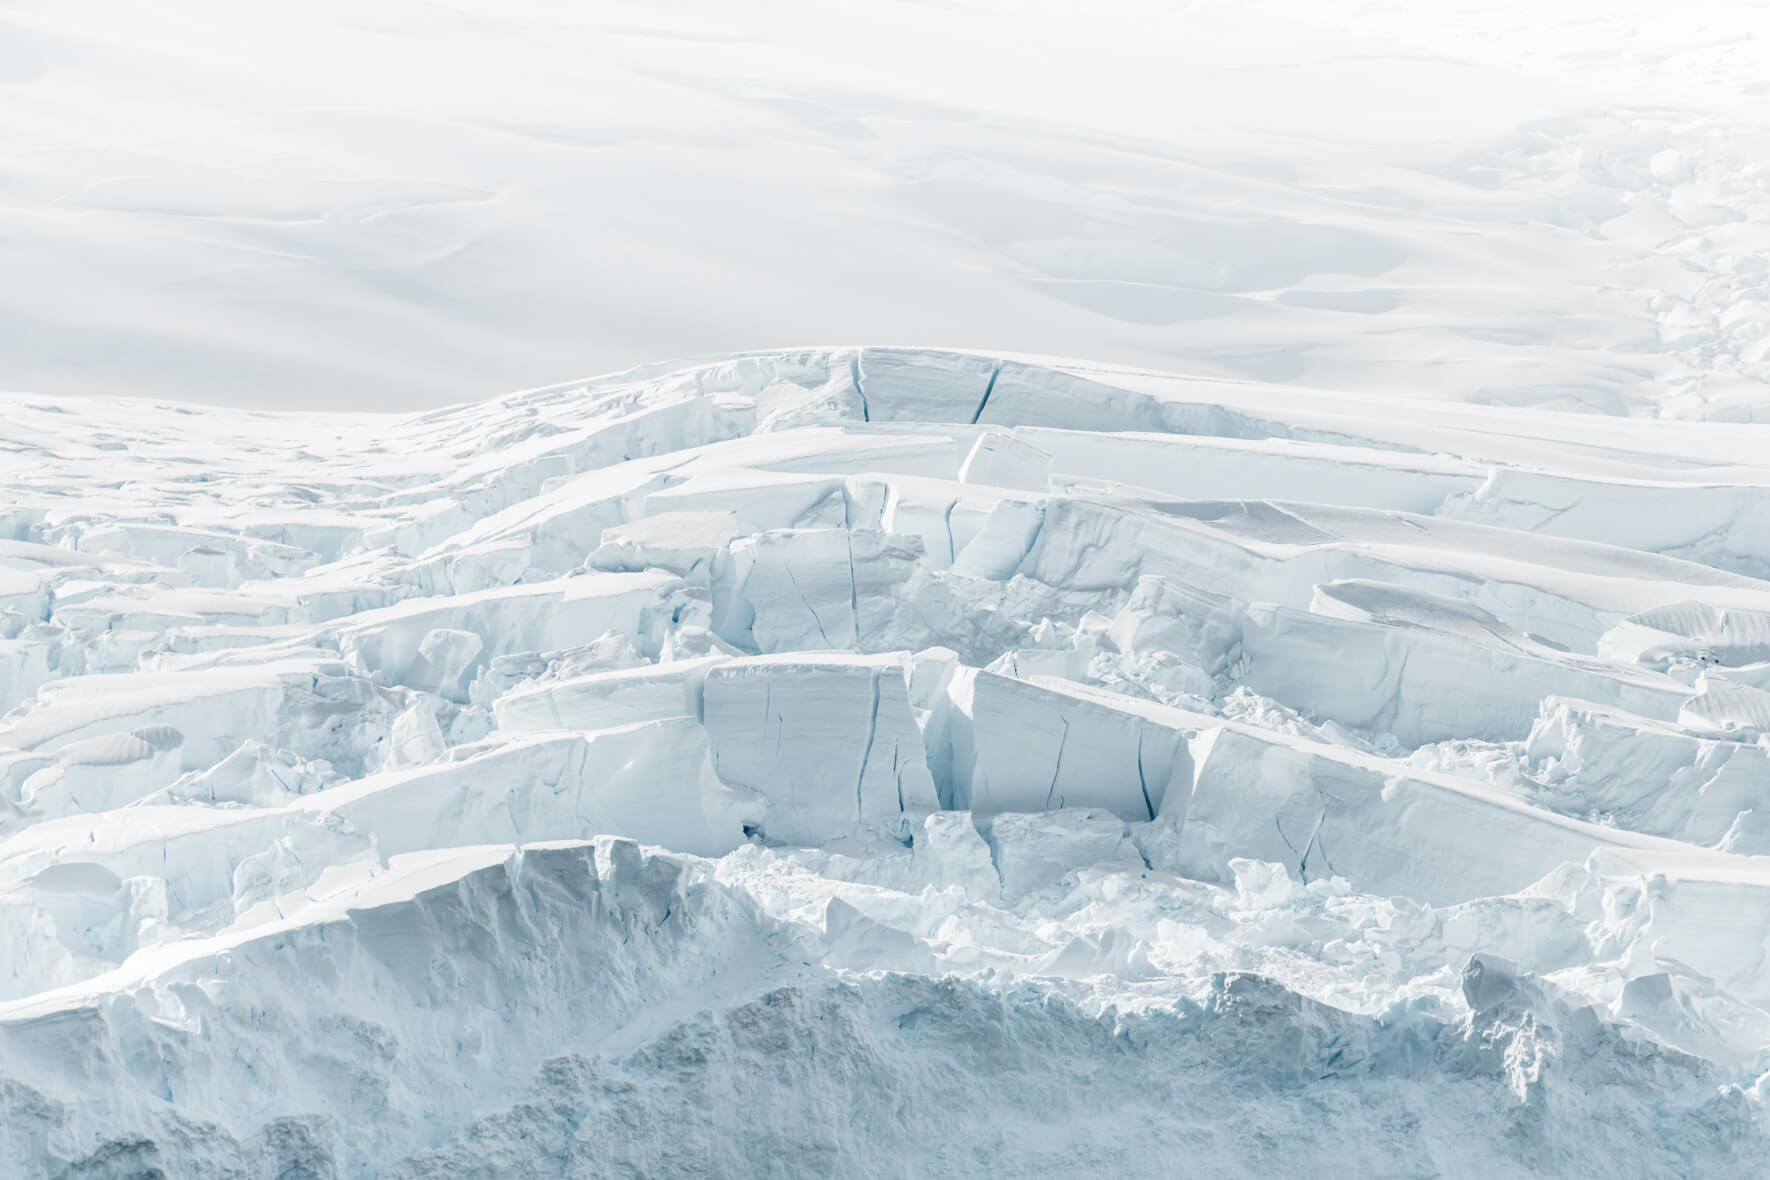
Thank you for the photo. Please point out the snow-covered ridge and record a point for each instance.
(882, 761)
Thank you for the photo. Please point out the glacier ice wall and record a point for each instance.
(882, 762)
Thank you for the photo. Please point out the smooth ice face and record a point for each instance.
(843, 756)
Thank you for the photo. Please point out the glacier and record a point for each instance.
(883, 761)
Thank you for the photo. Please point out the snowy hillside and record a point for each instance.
(404, 203)
(883, 762)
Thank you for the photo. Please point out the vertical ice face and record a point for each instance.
(842, 756)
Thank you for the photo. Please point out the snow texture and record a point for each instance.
(883, 762)
(404, 203)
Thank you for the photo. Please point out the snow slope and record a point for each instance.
(883, 762)
(326, 203)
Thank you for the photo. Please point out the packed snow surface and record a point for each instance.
(403, 203)
(883, 762)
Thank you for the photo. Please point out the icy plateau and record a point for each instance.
(883, 762)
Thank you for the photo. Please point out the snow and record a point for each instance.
(805, 757)
(1502, 202)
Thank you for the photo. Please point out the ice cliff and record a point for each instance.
(883, 762)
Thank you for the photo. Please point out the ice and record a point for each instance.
(1423, 682)
(900, 385)
(831, 743)
(685, 543)
(105, 771)
(1004, 461)
(1106, 767)
(1020, 746)
(649, 692)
